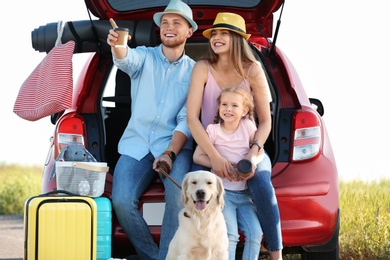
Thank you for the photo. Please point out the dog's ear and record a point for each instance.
(221, 192)
(184, 187)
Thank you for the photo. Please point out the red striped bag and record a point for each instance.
(49, 88)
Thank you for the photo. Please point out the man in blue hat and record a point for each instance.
(157, 130)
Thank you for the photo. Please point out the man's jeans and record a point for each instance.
(131, 178)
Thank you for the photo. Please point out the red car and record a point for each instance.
(304, 171)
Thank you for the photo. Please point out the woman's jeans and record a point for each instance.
(240, 214)
(131, 178)
(263, 194)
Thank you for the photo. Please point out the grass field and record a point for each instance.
(365, 220)
(364, 207)
(17, 183)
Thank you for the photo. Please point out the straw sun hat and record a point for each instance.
(228, 21)
(176, 7)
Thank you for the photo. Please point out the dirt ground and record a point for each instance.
(11, 237)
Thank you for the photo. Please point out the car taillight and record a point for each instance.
(307, 135)
(69, 131)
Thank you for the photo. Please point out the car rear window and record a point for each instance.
(124, 6)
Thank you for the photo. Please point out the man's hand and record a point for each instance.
(112, 38)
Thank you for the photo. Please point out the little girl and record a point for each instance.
(231, 134)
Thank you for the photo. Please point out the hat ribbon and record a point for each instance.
(225, 25)
(174, 11)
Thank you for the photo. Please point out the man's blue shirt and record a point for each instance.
(159, 95)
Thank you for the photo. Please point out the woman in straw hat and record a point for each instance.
(230, 62)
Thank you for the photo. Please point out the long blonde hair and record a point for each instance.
(240, 53)
(246, 99)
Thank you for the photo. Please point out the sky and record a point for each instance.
(341, 50)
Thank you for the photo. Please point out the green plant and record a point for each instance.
(365, 220)
(17, 183)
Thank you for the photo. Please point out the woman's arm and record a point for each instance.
(220, 165)
(260, 90)
(201, 158)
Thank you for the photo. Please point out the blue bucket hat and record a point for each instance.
(176, 7)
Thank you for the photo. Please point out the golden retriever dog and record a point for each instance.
(202, 232)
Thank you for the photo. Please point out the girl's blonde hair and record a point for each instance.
(246, 99)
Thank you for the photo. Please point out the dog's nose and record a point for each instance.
(200, 194)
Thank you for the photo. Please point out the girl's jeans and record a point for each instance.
(240, 214)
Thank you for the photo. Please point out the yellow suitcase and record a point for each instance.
(60, 228)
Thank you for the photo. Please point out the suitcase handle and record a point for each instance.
(59, 191)
(89, 167)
